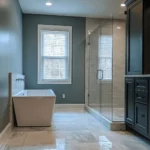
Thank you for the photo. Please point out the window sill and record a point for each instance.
(106, 81)
(54, 82)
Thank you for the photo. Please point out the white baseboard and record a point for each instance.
(4, 134)
(69, 106)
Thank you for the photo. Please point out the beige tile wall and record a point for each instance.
(118, 63)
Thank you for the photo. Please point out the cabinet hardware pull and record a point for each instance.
(140, 86)
(141, 91)
(139, 98)
(141, 115)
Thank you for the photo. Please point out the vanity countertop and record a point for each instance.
(139, 76)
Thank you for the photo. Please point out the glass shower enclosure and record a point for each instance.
(106, 46)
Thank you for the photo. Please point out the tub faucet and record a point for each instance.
(19, 79)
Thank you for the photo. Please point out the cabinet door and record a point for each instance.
(146, 44)
(141, 122)
(134, 38)
(129, 96)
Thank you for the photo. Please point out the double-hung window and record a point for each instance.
(54, 54)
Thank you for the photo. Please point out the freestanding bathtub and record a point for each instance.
(34, 107)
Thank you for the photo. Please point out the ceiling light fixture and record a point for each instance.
(118, 28)
(122, 5)
(48, 4)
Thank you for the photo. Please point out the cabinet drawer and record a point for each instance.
(141, 84)
(141, 122)
(141, 97)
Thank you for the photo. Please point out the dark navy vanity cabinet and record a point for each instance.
(137, 79)
(137, 104)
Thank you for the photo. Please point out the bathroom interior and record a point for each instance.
(74, 75)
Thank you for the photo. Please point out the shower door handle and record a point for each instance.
(99, 70)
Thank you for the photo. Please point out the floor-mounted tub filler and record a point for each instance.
(31, 107)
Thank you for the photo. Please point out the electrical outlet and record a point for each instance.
(63, 96)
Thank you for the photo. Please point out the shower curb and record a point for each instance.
(113, 126)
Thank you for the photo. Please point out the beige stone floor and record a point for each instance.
(73, 130)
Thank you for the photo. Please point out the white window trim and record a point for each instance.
(55, 28)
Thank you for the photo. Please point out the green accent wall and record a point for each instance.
(74, 92)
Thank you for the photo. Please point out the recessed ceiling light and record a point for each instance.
(122, 5)
(118, 28)
(48, 4)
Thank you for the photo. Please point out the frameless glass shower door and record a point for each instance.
(100, 68)
(106, 67)
(95, 74)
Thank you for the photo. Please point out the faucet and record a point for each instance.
(19, 79)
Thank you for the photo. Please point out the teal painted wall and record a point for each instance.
(74, 92)
(10, 51)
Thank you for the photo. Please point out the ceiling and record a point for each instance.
(81, 8)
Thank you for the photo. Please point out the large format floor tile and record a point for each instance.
(73, 130)
(16, 139)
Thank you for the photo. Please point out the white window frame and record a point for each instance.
(54, 28)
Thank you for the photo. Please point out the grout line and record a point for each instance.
(24, 140)
(1, 146)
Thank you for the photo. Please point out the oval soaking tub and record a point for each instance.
(34, 107)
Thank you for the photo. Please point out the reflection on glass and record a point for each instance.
(105, 53)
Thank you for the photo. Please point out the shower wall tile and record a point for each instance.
(106, 87)
(117, 101)
(118, 63)
(93, 23)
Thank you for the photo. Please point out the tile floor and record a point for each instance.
(73, 130)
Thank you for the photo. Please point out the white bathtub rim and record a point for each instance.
(25, 96)
(16, 95)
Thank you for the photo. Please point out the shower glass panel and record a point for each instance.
(94, 72)
(106, 67)
(105, 64)
(100, 48)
